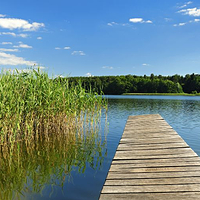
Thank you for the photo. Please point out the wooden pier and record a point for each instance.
(152, 162)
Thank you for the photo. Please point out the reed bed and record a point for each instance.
(33, 106)
(46, 129)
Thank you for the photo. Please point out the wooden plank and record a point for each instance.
(153, 196)
(164, 160)
(155, 169)
(158, 181)
(161, 156)
(149, 188)
(145, 117)
(133, 152)
(152, 134)
(125, 166)
(151, 146)
(152, 162)
(155, 161)
(125, 175)
(149, 137)
(151, 141)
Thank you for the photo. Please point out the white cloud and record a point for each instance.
(21, 45)
(107, 67)
(136, 20)
(5, 43)
(23, 35)
(88, 74)
(126, 24)
(119, 24)
(1, 15)
(9, 33)
(180, 24)
(9, 50)
(191, 11)
(183, 6)
(67, 48)
(191, 21)
(149, 22)
(112, 23)
(167, 19)
(139, 20)
(145, 64)
(14, 23)
(10, 59)
(186, 4)
(79, 53)
(196, 20)
(39, 38)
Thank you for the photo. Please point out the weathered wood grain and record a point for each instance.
(155, 161)
(128, 175)
(151, 146)
(149, 188)
(153, 196)
(152, 162)
(125, 166)
(156, 181)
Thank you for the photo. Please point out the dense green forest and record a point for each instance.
(139, 84)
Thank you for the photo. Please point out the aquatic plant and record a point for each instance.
(32, 105)
(46, 129)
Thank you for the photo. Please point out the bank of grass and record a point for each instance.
(163, 94)
(32, 105)
(46, 129)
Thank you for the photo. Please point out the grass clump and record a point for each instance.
(32, 105)
(46, 129)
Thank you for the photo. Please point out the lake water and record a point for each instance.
(181, 112)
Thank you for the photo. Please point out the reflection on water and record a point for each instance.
(74, 166)
(29, 168)
(182, 113)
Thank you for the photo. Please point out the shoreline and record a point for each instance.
(162, 94)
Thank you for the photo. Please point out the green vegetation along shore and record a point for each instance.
(46, 129)
(163, 94)
(32, 105)
(117, 85)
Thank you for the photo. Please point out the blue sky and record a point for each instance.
(101, 37)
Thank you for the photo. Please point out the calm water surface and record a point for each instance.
(182, 113)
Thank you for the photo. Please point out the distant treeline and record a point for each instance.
(139, 84)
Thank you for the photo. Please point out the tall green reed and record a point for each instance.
(46, 128)
(32, 105)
